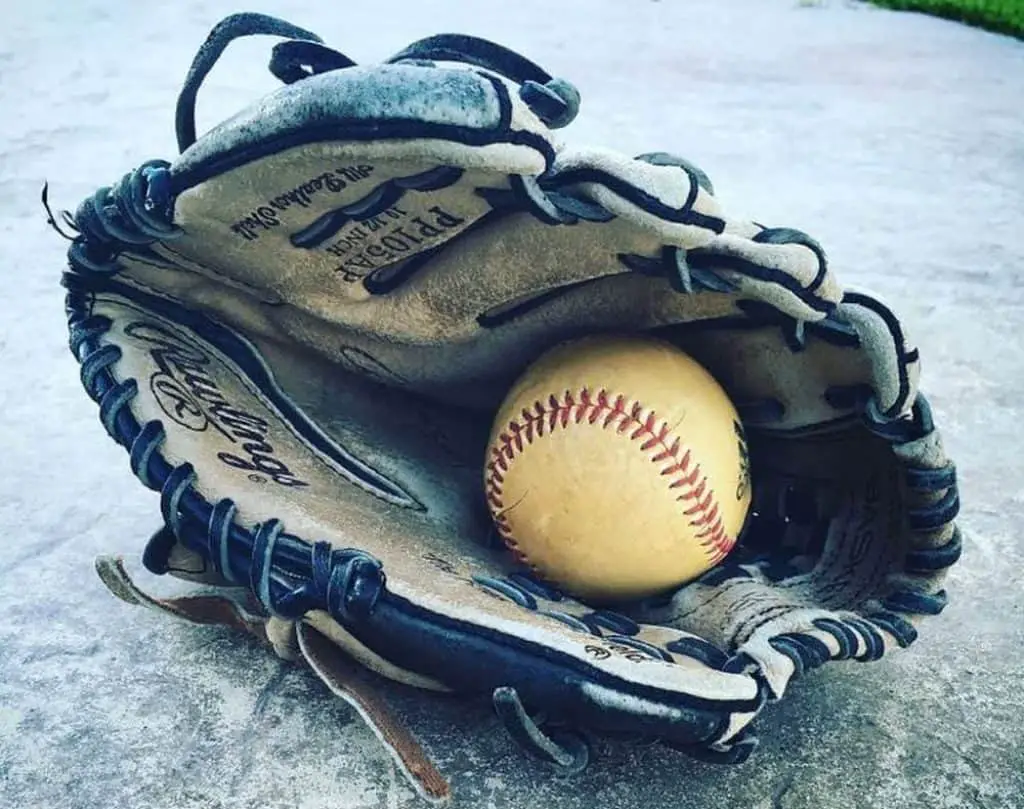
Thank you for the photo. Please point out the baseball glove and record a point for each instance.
(300, 331)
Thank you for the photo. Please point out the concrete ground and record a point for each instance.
(896, 140)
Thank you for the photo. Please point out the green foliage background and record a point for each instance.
(1001, 16)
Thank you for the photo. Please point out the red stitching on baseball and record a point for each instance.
(687, 483)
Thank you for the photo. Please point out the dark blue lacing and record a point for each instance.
(602, 623)
(376, 202)
(296, 59)
(896, 625)
(844, 635)
(805, 650)
(910, 601)
(922, 519)
(699, 649)
(673, 265)
(552, 206)
(566, 750)
(132, 214)
(649, 649)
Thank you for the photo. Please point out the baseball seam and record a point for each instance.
(686, 481)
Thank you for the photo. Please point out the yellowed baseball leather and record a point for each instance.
(617, 468)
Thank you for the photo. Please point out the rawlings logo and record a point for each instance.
(188, 394)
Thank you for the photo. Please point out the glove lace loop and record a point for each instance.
(135, 212)
(555, 101)
(564, 750)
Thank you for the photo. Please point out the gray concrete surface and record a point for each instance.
(897, 140)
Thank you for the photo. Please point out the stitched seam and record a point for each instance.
(685, 479)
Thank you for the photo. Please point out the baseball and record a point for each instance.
(617, 468)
